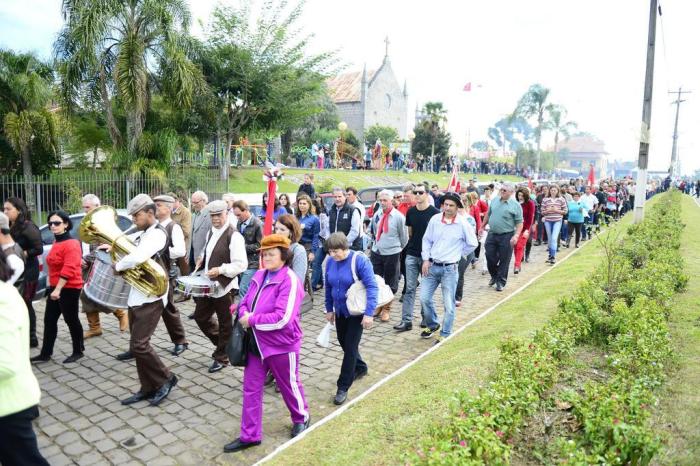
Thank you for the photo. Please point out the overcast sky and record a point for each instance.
(591, 54)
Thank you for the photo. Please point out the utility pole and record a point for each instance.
(675, 165)
(643, 162)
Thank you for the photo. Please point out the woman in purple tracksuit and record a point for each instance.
(270, 311)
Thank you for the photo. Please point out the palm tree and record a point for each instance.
(114, 50)
(556, 123)
(25, 92)
(436, 117)
(534, 103)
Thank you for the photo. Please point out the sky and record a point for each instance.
(591, 54)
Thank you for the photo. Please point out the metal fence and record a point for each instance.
(64, 189)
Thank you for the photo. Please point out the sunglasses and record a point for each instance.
(55, 224)
(418, 192)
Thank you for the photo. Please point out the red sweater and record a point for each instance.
(528, 214)
(64, 262)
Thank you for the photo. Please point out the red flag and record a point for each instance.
(591, 176)
(270, 213)
(467, 87)
(454, 180)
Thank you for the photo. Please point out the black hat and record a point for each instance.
(450, 196)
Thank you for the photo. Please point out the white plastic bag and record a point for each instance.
(324, 338)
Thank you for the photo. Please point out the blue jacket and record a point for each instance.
(339, 280)
(310, 228)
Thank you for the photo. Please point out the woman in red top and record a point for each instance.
(523, 197)
(65, 283)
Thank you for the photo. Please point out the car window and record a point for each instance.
(46, 236)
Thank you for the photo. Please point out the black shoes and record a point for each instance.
(179, 349)
(340, 397)
(428, 332)
(135, 398)
(269, 379)
(238, 445)
(163, 392)
(499, 287)
(216, 366)
(538, 243)
(492, 282)
(73, 357)
(125, 356)
(403, 327)
(516, 270)
(40, 358)
(300, 427)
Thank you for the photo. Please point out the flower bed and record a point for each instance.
(621, 309)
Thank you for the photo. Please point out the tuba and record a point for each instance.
(100, 226)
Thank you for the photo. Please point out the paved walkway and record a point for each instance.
(82, 421)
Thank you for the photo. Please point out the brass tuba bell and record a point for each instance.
(100, 226)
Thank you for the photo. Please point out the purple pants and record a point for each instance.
(285, 369)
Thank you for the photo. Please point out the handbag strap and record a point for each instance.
(353, 266)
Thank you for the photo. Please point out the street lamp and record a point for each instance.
(342, 127)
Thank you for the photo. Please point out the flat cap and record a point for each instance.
(454, 197)
(165, 198)
(138, 203)
(216, 207)
(274, 241)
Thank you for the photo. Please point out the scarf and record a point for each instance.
(384, 224)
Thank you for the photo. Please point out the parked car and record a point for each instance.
(123, 221)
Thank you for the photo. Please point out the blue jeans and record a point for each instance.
(317, 268)
(553, 229)
(446, 276)
(413, 265)
(244, 281)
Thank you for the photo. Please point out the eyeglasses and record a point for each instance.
(55, 224)
(418, 192)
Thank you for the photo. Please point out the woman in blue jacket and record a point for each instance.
(339, 279)
(576, 217)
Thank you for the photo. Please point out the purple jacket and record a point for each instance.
(275, 319)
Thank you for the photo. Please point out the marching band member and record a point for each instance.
(144, 310)
(176, 250)
(224, 259)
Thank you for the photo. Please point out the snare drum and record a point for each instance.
(197, 286)
(104, 286)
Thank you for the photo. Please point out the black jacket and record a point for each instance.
(252, 234)
(307, 189)
(28, 237)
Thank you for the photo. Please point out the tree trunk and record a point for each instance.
(114, 132)
(28, 177)
(286, 140)
(539, 137)
(94, 161)
(134, 130)
(556, 150)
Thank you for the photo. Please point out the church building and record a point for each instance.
(368, 98)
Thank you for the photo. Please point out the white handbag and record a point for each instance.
(356, 297)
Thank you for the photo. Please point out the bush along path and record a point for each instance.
(580, 391)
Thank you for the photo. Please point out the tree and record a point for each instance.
(116, 52)
(387, 134)
(433, 124)
(481, 146)
(534, 104)
(557, 124)
(259, 72)
(89, 134)
(28, 126)
(427, 143)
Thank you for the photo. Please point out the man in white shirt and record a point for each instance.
(589, 201)
(354, 201)
(12, 250)
(145, 310)
(224, 258)
(176, 250)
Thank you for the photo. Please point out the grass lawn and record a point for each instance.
(391, 421)
(248, 180)
(678, 414)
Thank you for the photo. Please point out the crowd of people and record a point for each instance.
(427, 236)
